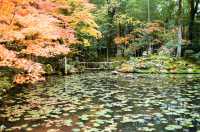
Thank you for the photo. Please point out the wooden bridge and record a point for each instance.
(94, 65)
(99, 65)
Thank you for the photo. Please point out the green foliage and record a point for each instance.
(48, 69)
(118, 19)
(5, 84)
(197, 57)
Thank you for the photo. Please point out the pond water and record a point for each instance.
(97, 102)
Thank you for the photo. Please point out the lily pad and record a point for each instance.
(68, 122)
(173, 127)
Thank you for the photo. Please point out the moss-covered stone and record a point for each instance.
(126, 68)
(70, 69)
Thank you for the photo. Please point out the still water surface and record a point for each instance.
(97, 102)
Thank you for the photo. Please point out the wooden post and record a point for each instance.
(65, 61)
(107, 53)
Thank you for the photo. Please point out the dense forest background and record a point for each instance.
(36, 35)
(132, 26)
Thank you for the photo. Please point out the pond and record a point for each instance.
(102, 102)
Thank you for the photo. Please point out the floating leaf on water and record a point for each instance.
(158, 115)
(13, 119)
(84, 117)
(110, 128)
(127, 109)
(187, 123)
(109, 121)
(198, 120)
(80, 124)
(24, 125)
(127, 119)
(29, 129)
(172, 113)
(179, 119)
(195, 115)
(181, 111)
(164, 121)
(96, 124)
(35, 125)
(68, 122)
(66, 114)
(136, 116)
(108, 116)
(53, 130)
(174, 102)
(150, 124)
(99, 121)
(146, 129)
(55, 116)
(140, 120)
(76, 130)
(93, 130)
(117, 116)
(173, 127)
(72, 111)
(103, 112)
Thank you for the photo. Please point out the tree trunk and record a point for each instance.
(149, 51)
(112, 49)
(193, 10)
(149, 14)
(191, 21)
(179, 47)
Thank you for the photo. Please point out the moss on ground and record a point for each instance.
(162, 64)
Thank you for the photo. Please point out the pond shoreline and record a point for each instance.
(115, 72)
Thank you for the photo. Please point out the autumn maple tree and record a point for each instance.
(42, 28)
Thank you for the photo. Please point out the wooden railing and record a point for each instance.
(98, 65)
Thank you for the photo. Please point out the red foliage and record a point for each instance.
(34, 70)
(46, 49)
(154, 27)
(38, 25)
(123, 40)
